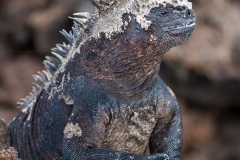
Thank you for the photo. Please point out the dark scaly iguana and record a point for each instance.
(100, 96)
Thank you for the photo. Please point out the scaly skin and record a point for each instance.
(106, 100)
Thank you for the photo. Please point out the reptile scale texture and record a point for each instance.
(100, 97)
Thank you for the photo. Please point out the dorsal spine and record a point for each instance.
(54, 62)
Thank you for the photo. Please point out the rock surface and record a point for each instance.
(4, 137)
(6, 152)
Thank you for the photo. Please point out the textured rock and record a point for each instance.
(4, 139)
(6, 152)
(9, 154)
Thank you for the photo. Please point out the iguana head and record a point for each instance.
(127, 39)
(152, 15)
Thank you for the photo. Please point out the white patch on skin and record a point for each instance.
(72, 130)
(25, 110)
(57, 89)
(112, 21)
(28, 110)
(67, 99)
(135, 116)
(170, 91)
(13, 119)
(166, 157)
(30, 113)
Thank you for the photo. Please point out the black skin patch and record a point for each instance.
(91, 56)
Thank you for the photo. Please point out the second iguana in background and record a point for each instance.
(100, 96)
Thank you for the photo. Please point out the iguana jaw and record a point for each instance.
(181, 29)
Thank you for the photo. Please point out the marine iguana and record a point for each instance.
(100, 96)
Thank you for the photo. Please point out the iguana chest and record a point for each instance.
(130, 129)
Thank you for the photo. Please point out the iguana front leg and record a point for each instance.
(167, 134)
(84, 134)
(73, 150)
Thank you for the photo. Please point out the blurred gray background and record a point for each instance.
(204, 72)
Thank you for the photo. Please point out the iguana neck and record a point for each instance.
(130, 75)
(126, 64)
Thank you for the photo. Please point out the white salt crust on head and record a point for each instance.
(111, 22)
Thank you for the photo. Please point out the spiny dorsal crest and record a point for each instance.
(54, 62)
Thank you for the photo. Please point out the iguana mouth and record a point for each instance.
(181, 29)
